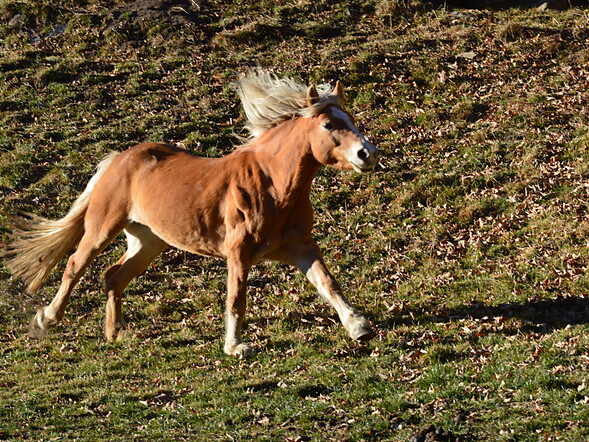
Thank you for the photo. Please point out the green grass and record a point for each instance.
(467, 247)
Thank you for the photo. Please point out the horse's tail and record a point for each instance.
(41, 243)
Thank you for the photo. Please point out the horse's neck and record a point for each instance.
(285, 153)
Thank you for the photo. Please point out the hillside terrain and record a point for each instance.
(468, 246)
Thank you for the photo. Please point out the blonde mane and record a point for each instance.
(268, 100)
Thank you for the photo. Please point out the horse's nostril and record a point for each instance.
(363, 154)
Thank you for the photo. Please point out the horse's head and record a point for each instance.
(335, 140)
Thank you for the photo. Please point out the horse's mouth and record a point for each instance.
(362, 168)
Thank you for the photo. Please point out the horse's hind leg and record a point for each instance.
(96, 237)
(142, 248)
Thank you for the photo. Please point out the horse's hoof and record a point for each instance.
(37, 327)
(241, 351)
(114, 333)
(366, 335)
(363, 333)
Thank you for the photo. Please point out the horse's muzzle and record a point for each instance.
(363, 157)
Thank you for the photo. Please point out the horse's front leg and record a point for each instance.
(308, 259)
(238, 271)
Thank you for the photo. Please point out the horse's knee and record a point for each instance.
(111, 271)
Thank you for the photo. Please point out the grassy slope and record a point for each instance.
(468, 246)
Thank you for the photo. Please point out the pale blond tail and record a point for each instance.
(43, 243)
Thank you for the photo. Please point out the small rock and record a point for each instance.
(467, 55)
(552, 4)
(16, 20)
(162, 399)
(459, 418)
(421, 435)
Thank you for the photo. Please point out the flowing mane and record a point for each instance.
(268, 100)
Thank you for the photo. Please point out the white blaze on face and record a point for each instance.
(362, 154)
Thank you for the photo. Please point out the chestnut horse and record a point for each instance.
(249, 206)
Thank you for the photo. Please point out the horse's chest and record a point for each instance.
(281, 224)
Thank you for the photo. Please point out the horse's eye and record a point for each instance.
(327, 125)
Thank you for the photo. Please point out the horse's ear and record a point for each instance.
(312, 95)
(338, 91)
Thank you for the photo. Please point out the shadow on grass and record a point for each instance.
(539, 315)
(542, 314)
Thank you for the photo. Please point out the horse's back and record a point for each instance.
(178, 195)
(151, 156)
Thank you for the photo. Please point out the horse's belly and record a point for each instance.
(188, 230)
